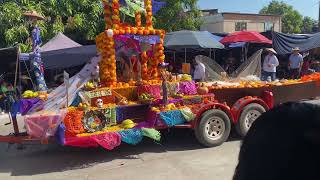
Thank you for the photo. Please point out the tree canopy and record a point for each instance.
(81, 20)
(292, 20)
(308, 25)
(178, 15)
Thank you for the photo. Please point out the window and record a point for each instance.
(268, 26)
(241, 26)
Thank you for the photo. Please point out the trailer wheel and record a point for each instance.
(214, 128)
(249, 114)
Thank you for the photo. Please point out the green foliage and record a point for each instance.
(291, 18)
(81, 20)
(308, 24)
(178, 15)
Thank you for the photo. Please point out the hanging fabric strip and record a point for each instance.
(157, 5)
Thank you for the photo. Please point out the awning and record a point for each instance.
(246, 36)
(283, 43)
(66, 58)
(192, 40)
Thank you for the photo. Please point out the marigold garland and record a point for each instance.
(311, 77)
(106, 45)
(138, 20)
(107, 14)
(105, 130)
(148, 5)
(73, 122)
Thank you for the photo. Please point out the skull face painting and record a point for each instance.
(99, 103)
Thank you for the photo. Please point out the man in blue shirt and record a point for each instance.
(295, 63)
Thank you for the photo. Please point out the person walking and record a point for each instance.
(295, 63)
(270, 65)
(199, 71)
(230, 64)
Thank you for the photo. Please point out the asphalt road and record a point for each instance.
(178, 156)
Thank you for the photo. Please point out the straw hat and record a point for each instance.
(296, 49)
(33, 14)
(271, 50)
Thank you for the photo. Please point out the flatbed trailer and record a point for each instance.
(228, 108)
(281, 94)
(217, 112)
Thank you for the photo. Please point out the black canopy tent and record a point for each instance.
(12, 69)
(67, 58)
(8, 60)
(62, 52)
(8, 57)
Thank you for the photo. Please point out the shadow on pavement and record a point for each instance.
(41, 159)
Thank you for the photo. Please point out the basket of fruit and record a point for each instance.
(146, 98)
(177, 96)
(89, 86)
(30, 94)
(185, 78)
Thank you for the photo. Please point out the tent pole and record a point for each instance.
(214, 55)
(174, 56)
(185, 55)
(210, 53)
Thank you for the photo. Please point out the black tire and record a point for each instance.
(243, 124)
(219, 119)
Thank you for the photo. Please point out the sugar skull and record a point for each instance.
(99, 103)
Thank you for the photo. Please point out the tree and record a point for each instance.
(178, 15)
(81, 20)
(292, 20)
(308, 24)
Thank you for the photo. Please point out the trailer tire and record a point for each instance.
(214, 128)
(248, 115)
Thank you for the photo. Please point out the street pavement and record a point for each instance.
(177, 156)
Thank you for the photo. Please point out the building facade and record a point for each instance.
(231, 22)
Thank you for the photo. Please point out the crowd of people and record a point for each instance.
(299, 64)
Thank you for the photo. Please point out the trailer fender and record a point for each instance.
(225, 108)
(268, 98)
(242, 103)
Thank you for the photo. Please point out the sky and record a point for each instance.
(305, 7)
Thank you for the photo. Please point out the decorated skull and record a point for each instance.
(99, 103)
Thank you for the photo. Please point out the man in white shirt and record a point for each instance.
(199, 71)
(270, 65)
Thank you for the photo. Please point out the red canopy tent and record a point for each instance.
(245, 36)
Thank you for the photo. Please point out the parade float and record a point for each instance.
(125, 94)
(122, 95)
